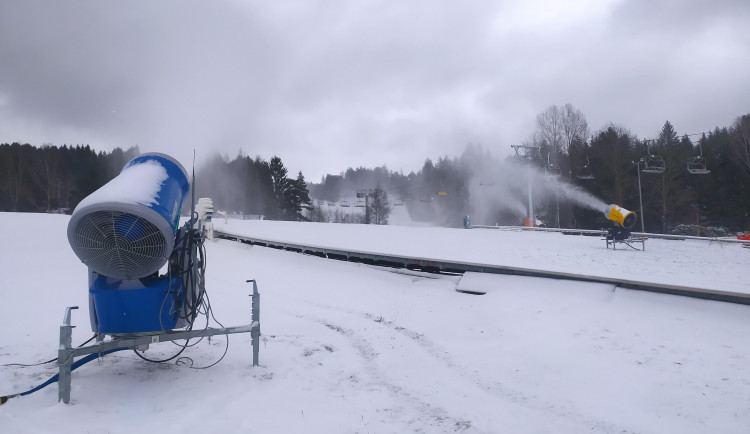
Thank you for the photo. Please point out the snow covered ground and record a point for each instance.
(352, 348)
(692, 263)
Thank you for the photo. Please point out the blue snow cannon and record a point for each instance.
(125, 232)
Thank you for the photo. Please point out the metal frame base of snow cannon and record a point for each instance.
(66, 354)
(619, 235)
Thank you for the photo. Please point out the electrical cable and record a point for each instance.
(189, 267)
(21, 365)
(226, 348)
(159, 361)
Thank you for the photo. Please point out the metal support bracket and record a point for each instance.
(255, 318)
(67, 354)
(65, 357)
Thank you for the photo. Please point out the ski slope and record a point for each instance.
(691, 263)
(351, 348)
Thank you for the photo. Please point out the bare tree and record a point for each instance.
(559, 127)
(574, 125)
(550, 128)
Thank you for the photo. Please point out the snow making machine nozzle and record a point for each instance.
(621, 216)
(125, 232)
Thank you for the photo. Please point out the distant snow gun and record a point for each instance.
(620, 232)
(125, 232)
(621, 216)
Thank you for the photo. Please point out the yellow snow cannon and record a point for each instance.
(620, 215)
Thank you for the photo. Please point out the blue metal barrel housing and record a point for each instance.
(126, 229)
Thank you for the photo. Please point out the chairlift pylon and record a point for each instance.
(527, 152)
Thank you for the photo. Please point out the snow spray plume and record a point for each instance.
(495, 187)
(571, 193)
(502, 186)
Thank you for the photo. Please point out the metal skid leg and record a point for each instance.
(65, 357)
(255, 333)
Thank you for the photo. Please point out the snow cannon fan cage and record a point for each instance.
(621, 216)
(127, 228)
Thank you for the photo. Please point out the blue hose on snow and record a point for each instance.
(56, 377)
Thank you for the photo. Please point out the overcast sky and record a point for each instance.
(330, 84)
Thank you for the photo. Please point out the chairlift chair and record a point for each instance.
(697, 165)
(652, 163)
(443, 191)
(344, 204)
(360, 204)
(552, 169)
(586, 172)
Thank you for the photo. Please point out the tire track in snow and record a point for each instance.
(496, 388)
(431, 416)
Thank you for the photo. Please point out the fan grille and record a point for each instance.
(119, 245)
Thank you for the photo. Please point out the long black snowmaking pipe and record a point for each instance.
(442, 266)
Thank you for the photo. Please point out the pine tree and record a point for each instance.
(672, 185)
(290, 195)
(379, 209)
(277, 209)
(297, 198)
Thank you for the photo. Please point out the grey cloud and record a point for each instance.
(326, 85)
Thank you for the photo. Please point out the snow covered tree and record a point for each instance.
(290, 196)
(379, 209)
(297, 198)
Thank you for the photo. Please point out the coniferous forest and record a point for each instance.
(696, 183)
(55, 179)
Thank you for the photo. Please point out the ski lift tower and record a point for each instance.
(528, 154)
